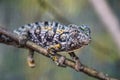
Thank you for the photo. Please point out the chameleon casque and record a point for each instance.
(55, 37)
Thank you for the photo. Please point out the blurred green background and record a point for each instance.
(102, 54)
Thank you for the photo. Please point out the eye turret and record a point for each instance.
(85, 29)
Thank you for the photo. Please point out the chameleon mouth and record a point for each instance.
(87, 42)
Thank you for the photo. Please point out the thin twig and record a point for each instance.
(14, 41)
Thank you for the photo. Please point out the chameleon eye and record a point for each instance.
(85, 29)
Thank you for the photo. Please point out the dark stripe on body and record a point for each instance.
(46, 23)
(55, 27)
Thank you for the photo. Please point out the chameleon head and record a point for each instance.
(81, 33)
(84, 35)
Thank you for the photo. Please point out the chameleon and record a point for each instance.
(55, 37)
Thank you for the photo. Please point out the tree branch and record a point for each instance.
(9, 38)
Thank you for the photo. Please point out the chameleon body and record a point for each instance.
(56, 36)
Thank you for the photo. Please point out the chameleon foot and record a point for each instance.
(22, 40)
(31, 62)
(59, 61)
(78, 65)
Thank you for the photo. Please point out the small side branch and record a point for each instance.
(9, 38)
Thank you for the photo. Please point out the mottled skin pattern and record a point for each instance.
(56, 37)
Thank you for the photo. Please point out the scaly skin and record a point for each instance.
(56, 37)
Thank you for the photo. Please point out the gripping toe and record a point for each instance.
(61, 61)
(22, 40)
(78, 65)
